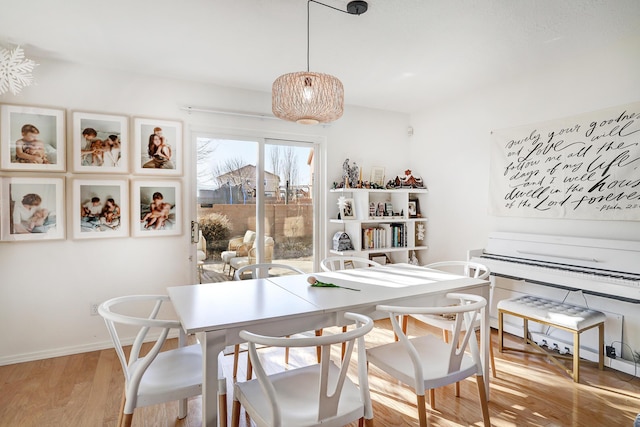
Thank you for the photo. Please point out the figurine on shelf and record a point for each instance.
(354, 176)
(413, 260)
(346, 173)
(410, 181)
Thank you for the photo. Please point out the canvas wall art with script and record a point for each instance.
(582, 167)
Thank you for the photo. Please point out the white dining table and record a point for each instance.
(285, 305)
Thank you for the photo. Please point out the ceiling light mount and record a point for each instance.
(307, 97)
(357, 7)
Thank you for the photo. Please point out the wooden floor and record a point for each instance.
(85, 390)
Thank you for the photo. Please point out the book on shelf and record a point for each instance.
(398, 235)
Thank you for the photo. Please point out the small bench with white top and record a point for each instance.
(572, 318)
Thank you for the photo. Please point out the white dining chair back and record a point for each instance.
(335, 263)
(155, 376)
(426, 362)
(314, 395)
(259, 271)
(265, 269)
(463, 268)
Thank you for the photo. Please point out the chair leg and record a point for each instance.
(432, 398)
(344, 345)
(236, 355)
(492, 360)
(445, 335)
(249, 368)
(124, 398)
(235, 414)
(576, 357)
(319, 349)
(422, 410)
(601, 347)
(222, 401)
(182, 409)
(126, 420)
(483, 401)
(500, 331)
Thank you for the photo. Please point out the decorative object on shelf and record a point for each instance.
(355, 176)
(413, 259)
(347, 208)
(414, 208)
(377, 176)
(15, 70)
(310, 98)
(342, 242)
(421, 231)
(407, 181)
(381, 259)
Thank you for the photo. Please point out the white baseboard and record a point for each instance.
(68, 351)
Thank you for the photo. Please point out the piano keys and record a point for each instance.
(603, 267)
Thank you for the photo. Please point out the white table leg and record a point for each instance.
(485, 341)
(212, 344)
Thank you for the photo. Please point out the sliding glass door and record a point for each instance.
(255, 203)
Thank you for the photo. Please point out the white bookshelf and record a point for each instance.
(398, 249)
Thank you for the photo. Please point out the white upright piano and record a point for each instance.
(569, 267)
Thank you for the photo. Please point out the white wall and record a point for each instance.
(450, 148)
(46, 287)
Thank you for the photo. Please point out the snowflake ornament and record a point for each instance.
(15, 70)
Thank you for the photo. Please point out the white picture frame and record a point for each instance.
(100, 208)
(348, 210)
(44, 150)
(377, 176)
(32, 208)
(108, 150)
(151, 215)
(168, 140)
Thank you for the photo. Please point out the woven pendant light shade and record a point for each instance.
(307, 98)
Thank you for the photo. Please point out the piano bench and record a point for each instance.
(572, 318)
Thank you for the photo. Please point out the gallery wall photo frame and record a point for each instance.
(157, 147)
(32, 208)
(32, 138)
(100, 143)
(100, 208)
(157, 208)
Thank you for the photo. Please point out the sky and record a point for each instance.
(247, 151)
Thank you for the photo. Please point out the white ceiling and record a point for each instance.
(402, 55)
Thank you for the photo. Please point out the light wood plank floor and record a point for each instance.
(85, 390)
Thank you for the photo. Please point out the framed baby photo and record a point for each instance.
(157, 148)
(100, 208)
(348, 209)
(32, 209)
(100, 143)
(32, 139)
(157, 208)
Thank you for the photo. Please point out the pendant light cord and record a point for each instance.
(308, 21)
